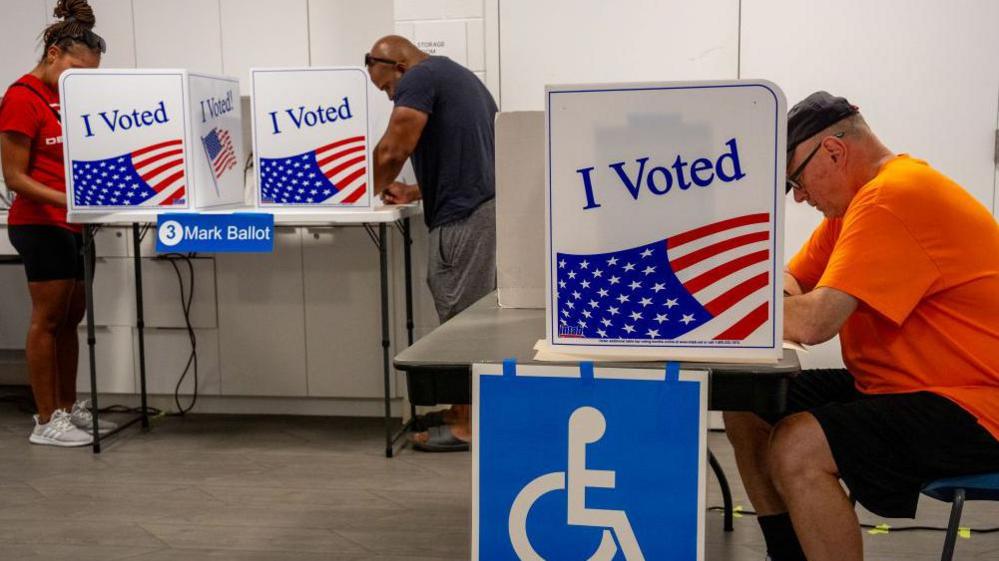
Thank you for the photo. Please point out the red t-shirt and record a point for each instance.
(21, 111)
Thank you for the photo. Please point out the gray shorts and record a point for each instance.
(462, 265)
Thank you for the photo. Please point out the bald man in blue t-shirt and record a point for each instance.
(443, 119)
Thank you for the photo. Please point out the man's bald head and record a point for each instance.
(400, 49)
(390, 58)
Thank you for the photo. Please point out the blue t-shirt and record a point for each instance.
(454, 159)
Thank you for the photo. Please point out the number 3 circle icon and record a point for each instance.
(171, 233)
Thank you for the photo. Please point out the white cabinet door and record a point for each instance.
(178, 34)
(15, 305)
(112, 241)
(114, 291)
(162, 298)
(21, 22)
(167, 353)
(341, 31)
(262, 320)
(342, 313)
(263, 33)
(116, 372)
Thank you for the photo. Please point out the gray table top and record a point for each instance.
(487, 333)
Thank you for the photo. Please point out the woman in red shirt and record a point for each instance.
(52, 249)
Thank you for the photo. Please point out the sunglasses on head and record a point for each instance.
(369, 60)
(92, 40)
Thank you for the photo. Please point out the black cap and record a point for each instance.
(813, 114)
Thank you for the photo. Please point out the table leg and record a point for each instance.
(140, 323)
(407, 243)
(383, 268)
(88, 285)
(725, 489)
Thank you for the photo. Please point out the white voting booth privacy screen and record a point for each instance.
(311, 138)
(156, 139)
(664, 220)
(588, 463)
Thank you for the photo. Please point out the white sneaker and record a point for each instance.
(83, 419)
(59, 431)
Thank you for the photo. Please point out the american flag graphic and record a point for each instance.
(221, 154)
(150, 176)
(332, 174)
(705, 284)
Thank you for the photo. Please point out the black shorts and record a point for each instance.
(49, 252)
(888, 446)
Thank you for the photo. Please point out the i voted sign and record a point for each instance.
(588, 463)
(215, 233)
(125, 139)
(665, 219)
(311, 138)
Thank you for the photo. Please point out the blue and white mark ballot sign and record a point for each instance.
(588, 463)
(238, 232)
(665, 219)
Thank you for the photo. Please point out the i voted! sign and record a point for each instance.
(588, 463)
(239, 232)
(163, 140)
(665, 219)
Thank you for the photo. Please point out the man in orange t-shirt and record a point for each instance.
(905, 268)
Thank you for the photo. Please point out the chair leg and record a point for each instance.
(952, 527)
(725, 489)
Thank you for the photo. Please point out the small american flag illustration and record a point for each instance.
(150, 176)
(218, 147)
(708, 283)
(335, 173)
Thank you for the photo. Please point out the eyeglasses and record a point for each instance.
(369, 60)
(792, 180)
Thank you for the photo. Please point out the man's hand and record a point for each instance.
(400, 193)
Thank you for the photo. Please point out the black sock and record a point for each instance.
(782, 542)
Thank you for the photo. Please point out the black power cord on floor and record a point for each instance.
(882, 526)
(185, 303)
(185, 306)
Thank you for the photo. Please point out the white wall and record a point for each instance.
(586, 41)
(924, 74)
(452, 28)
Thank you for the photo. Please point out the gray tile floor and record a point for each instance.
(304, 489)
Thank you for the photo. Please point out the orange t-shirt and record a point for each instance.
(922, 257)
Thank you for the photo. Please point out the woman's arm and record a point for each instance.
(15, 153)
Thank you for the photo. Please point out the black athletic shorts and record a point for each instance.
(49, 252)
(888, 446)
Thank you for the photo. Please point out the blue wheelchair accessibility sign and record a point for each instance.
(584, 463)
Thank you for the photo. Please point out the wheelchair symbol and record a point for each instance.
(586, 426)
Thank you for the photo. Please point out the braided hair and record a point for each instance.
(76, 27)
